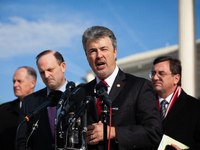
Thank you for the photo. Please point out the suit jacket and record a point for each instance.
(41, 138)
(137, 120)
(183, 121)
(9, 113)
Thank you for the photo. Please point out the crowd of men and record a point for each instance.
(146, 110)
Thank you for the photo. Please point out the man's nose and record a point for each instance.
(16, 84)
(155, 76)
(46, 75)
(99, 53)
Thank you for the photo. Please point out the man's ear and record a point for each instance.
(33, 82)
(115, 53)
(176, 78)
(63, 66)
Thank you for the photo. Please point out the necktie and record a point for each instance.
(163, 109)
(99, 102)
(52, 115)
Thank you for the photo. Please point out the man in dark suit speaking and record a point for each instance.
(136, 124)
(24, 80)
(180, 112)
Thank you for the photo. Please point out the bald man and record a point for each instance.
(24, 80)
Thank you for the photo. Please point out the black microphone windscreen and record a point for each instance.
(53, 97)
(88, 101)
(70, 85)
(77, 95)
(101, 86)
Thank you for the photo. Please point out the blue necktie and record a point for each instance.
(163, 109)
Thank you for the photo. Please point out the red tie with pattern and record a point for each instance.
(99, 102)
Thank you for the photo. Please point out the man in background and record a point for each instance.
(136, 124)
(180, 112)
(24, 80)
(51, 67)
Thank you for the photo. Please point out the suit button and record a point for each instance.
(53, 145)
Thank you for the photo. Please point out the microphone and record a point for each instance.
(69, 87)
(84, 130)
(52, 100)
(75, 97)
(101, 89)
(84, 107)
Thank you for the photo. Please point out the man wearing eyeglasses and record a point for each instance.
(180, 113)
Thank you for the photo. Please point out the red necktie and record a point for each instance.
(99, 102)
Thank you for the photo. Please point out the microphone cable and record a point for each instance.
(109, 128)
(18, 131)
(34, 127)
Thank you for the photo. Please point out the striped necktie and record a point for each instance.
(163, 109)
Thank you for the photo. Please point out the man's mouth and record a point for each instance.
(49, 80)
(156, 83)
(100, 64)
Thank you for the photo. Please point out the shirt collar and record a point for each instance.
(110, 80)
(20, 104)
(167, 99)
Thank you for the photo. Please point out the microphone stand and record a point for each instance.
(55, 134)
(105, 113)
(35, 126)
(106, 102)
(84, 131)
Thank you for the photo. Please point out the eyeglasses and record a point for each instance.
(159, 74)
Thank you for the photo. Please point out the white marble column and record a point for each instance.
(187, 46)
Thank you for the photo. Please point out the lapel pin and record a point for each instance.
(118, 85)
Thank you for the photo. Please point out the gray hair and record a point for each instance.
(97, 32)
(30, 72)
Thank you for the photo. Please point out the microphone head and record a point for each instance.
(53, 97)
(101, 86)
(77, 95)
(70, 85)
(88, 100)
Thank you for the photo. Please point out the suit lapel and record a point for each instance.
(177, 106)
(45, 119)
(117, 85)
(115, 90)
(44, 116)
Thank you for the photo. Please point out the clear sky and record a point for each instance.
(28, 27)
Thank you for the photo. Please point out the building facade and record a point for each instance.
(141, 64)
